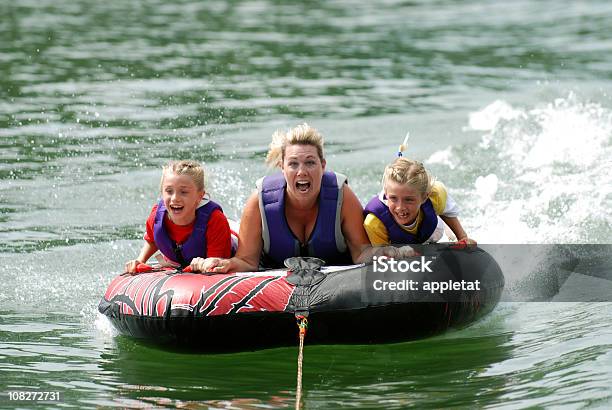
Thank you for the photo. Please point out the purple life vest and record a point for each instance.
(194, 246)
(398, 235)
(326, 240)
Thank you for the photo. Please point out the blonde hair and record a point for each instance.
(192, 169)
(303, 134)
(409, 172)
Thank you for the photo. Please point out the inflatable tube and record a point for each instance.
(245, 311)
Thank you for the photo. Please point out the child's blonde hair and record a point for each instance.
(303, 134)
(409, 172)
(192, 169)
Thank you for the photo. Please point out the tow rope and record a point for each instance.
(305, 274)
(302, 323)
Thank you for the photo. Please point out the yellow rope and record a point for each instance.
(303, 325)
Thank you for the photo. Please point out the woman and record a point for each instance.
(303, 211)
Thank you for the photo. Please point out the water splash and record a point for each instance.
(546, 173)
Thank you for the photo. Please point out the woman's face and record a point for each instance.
(303, 170)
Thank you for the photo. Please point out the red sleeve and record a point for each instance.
(148, 236)
(218, 241)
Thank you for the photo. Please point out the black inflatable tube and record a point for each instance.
(339, 309)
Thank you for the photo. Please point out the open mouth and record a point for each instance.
(302, 186)
(176, 208)
(402, 215)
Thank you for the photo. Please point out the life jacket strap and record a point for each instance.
(178, 251)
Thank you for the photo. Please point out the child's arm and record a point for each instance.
(455, 225)
(148, 249)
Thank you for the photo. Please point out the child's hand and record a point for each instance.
(465, 241)
(135, 266)
(130, 266)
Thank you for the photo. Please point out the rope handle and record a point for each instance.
(463, 243)
(302, 323)
(143, 267)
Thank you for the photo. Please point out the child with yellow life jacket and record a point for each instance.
(184, 225)
(411, 207)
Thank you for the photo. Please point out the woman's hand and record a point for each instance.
(406, 252)
(394, 252)
(388, 251)
(210, 265)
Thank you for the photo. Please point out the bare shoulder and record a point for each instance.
(350, 203)
(249, 238)
(352, 223)
(252, 202)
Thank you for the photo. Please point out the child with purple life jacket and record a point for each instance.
(184, 225)
(412, 208)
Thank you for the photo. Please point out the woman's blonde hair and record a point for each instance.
(409, 172)
(303, 134)
(192, 169)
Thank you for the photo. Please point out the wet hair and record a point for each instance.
(303, 134)
(192, 169)
(409, 172)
